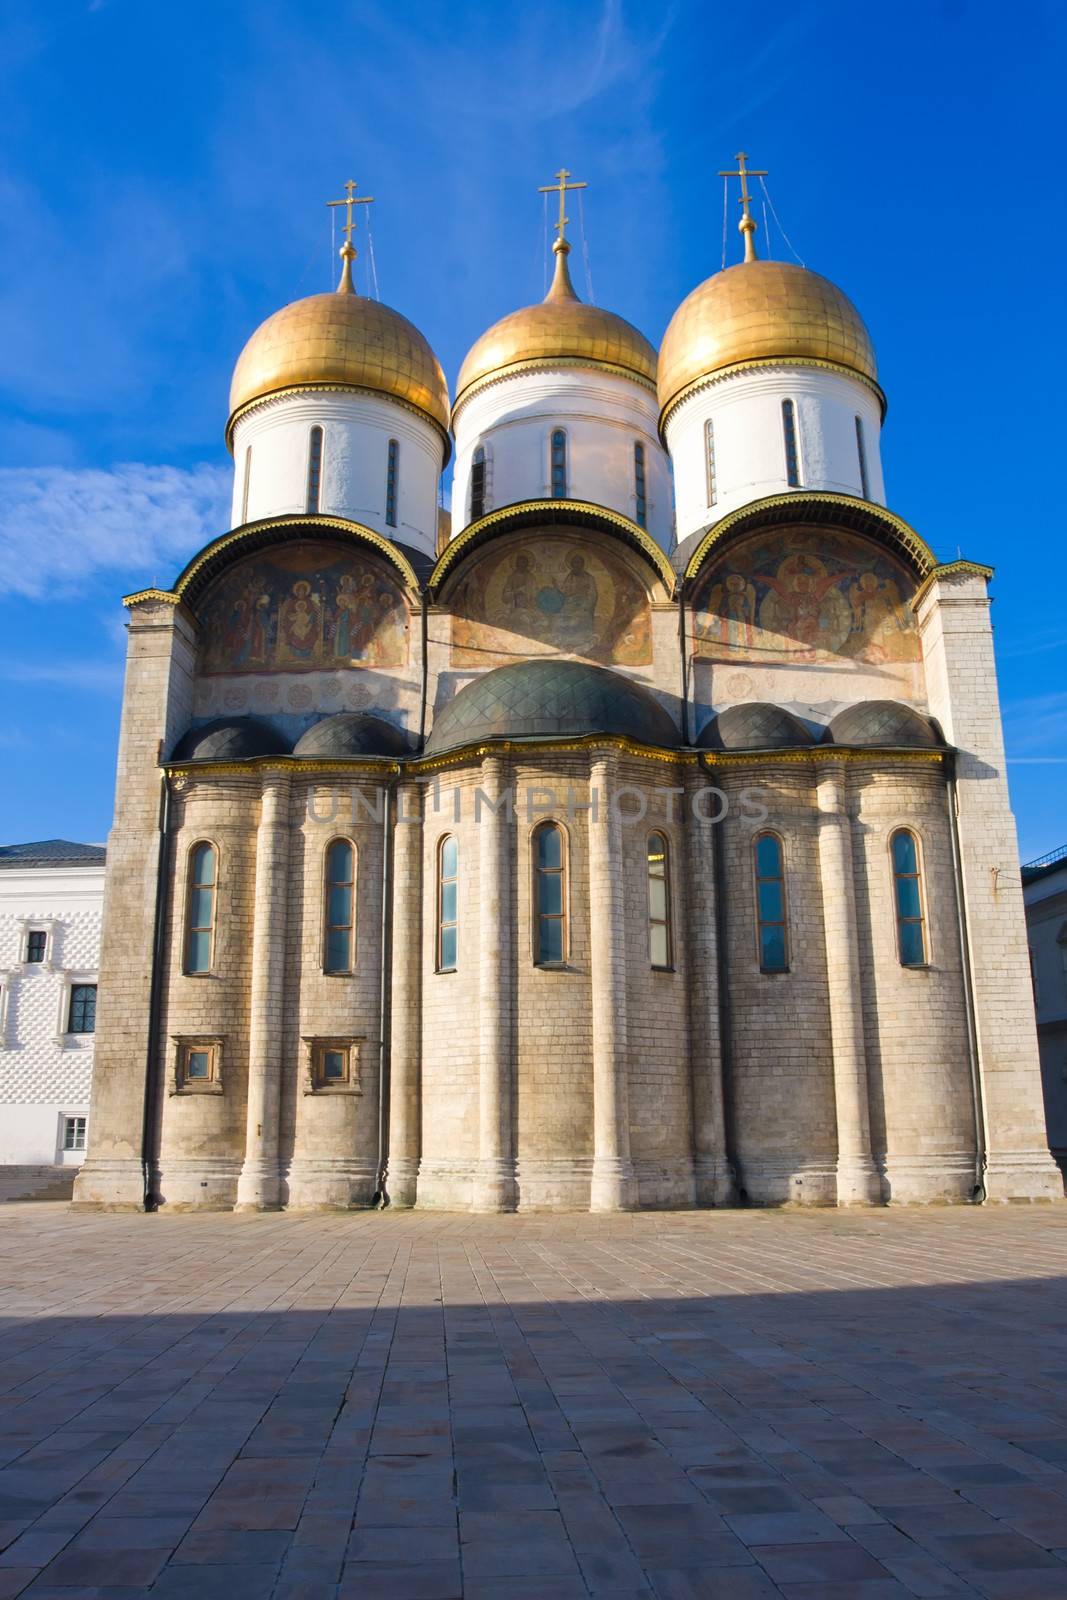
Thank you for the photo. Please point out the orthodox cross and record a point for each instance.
(748, 223)
(353, 199)
(562, 186)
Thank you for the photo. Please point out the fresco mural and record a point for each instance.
(802, 596)
(303, 609)
(548, 596)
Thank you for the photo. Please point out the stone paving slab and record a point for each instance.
(862, 1405)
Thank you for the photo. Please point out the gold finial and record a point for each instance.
(348, 249)
(748, 223)
(562, 288)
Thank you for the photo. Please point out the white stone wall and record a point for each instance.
(45, 1071)
(603, 416)
(357, 429)
(745, 409)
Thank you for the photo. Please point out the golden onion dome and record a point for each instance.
(560, 329)
(758, 311)
(340, 340)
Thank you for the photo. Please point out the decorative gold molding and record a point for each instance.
(264, 400)
(755, 364)
(249, 532)
(546, 364)
(518, 748)
(291, 766)
(505, 515)
(805, 502)
(950, 569)
(165, 597)
(819, 753)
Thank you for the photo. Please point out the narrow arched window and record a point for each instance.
(314, 469)
(339, 911)
(559, 465)
(908, 897)
(392, 475)
(789, 435)
(447, 904)
(861, 451)
(771, 923)
(709, 461)
(245, 485)
(200, 908)
(478, 484)
(640, 494)
(550, 895)
(659, 902)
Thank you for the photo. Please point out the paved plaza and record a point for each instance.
(420, 1406)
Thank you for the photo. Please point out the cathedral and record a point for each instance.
(636, 836)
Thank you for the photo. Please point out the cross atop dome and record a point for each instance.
(748, 224)
(348, 249)
(562, 187)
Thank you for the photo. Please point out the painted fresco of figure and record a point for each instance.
(880, 630)
(300, 625)
(805, 605)
(731, 616)
(518, 591)
(576, 620)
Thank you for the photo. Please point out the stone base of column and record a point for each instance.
(859, 1183)
(614, 1187)
(783, 1180)
(494, 1186)
(1023, 1175)
(325, 1183)
(715, 1181)
(106, 1184)
(663, 1185)
(402, 1182)
(259, 1188)
(199, 1183)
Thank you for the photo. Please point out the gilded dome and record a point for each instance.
(561, 328)
(760, 310)
(341, 338)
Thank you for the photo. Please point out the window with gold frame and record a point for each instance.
(198, 1066)
(333, 1066)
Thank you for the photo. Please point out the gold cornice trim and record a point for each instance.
(166, 597)
(755, 364)
(950, 569)
(475, 531)
(291, 766)
(904, 536)
(516, 369)
(248, 531)
(820, 754)
(261, 401)
(517, 748)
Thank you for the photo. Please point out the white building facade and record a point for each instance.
(51, 907)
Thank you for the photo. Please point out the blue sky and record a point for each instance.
(163, 175)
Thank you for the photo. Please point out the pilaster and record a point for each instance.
(494, 1183)
(405, 1020)
(715, 1181)
(613, 1187)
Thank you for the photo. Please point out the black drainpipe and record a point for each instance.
(729, 1114)
(425, 666)
(151, 1074)
(380, 1197)
(981, 1143)
(684, 661)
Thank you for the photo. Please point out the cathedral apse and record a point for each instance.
(303, 609)
(802, 596)
(550, 596)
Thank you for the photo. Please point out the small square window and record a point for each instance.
(334, 1065)
(74, 1133)
(198, 1067)
(36, 945)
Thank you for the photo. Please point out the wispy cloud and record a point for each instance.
(59, 526)
(104, 677)
(1035, 728)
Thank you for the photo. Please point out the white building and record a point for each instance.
(51, 904)
(1045, 896)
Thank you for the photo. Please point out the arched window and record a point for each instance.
(200, 908)
(659, 902)
(478, 484)
(447, 904)
(709, 461)
(314, 469)
(908, 897)
(245, 486)
(559, 465)
(789, 435)
(771, 924)
(550, 895)
(640, 495)
(392, 474)
(339, 910)
(861, 451)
